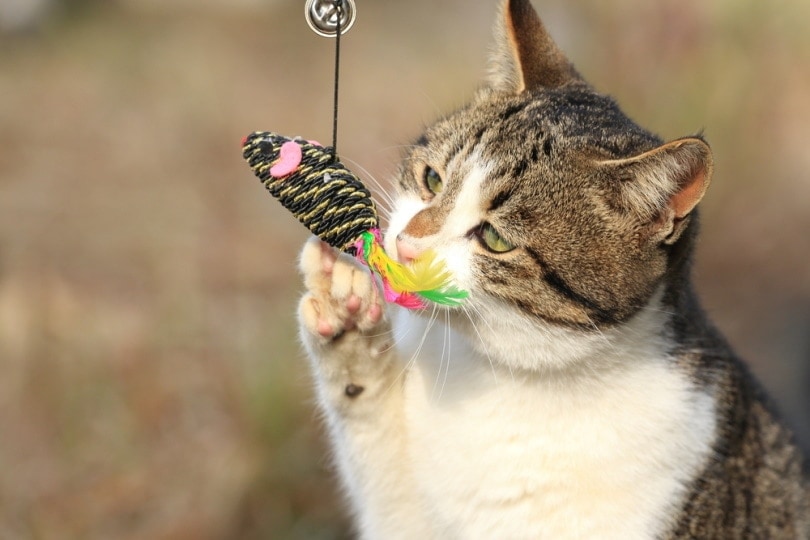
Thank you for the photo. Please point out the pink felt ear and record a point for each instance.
(289, 158)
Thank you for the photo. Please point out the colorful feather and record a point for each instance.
(426, 278)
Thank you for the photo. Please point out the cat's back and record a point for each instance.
(758, 483)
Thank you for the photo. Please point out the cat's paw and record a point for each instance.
(341, 296)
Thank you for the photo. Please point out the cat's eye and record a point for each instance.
(492, 239)
(433, 181)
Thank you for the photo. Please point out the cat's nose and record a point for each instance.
(406, 252)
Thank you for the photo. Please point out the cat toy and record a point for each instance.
(309, 181)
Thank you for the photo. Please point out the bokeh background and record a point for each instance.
(151, 385)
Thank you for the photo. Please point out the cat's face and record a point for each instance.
(547, 204)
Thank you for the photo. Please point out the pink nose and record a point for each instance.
(405, 251)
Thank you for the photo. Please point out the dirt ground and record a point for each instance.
(150, 382)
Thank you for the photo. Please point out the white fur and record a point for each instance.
(504, 427)
(597, 452)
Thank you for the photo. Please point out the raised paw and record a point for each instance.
(340, 293)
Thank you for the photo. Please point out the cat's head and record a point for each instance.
(559, 215)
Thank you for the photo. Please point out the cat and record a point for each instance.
(579, 391)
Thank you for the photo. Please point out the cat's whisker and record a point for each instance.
(438, 372)
(443, 370)
(397, 338)
(380, 189)
(436, 109)
(658, 310)
(601, 334)
(410, 159)
(383, 206)
(481, 338)
(383, 211)
(485, 320)
(448, 338)
(431, 321)
(482, 317)
(400, 147)
(383, 334)
(412, 360)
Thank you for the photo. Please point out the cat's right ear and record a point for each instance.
(525, 56)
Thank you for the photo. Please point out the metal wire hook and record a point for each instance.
(322, 16)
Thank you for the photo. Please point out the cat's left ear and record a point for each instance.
(663, 186)
(525, 56)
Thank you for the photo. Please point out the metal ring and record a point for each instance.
(322, 16)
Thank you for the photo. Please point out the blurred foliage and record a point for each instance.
(151, 383)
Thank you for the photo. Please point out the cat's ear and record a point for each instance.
(525, 56)
(662, 186)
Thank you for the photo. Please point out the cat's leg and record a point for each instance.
(358, 380)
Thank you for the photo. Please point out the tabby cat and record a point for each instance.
(580, 391)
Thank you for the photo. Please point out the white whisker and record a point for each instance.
(445, 352)
(484, 319)
(379, 188)
(399, 147)
(481, 338)
(412, 360)
(436, 109)
(448, 340)
(602, 335)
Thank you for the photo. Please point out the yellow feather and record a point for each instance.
(425, 273)
(428, 273)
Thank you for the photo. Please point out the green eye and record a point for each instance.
(492, 240)
(433, 181)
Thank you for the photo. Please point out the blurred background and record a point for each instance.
(151, 385)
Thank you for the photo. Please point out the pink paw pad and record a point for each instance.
(353, 304)
(375, 313)
(325, 329)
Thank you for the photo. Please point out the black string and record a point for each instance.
(339, 9)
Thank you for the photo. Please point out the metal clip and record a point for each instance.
(322, 16)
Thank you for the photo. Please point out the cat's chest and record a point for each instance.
(508, 455)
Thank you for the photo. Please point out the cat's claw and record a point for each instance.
(340, 296)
